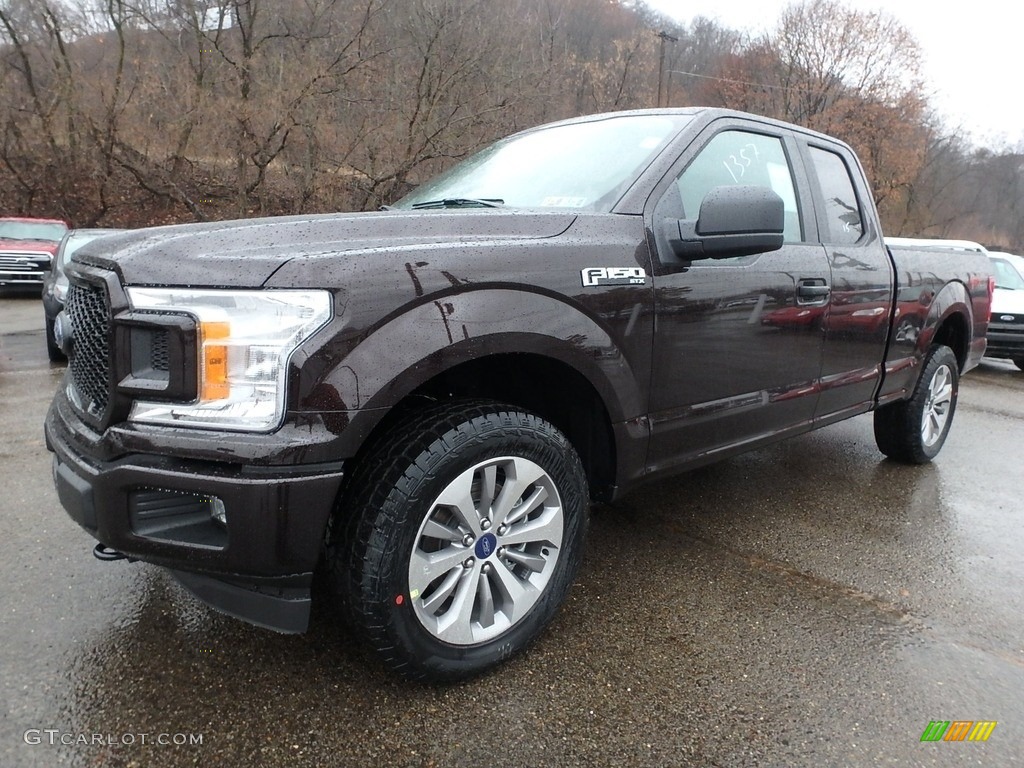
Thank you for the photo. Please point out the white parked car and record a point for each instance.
(1006, 328)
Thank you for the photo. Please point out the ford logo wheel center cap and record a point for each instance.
(486, 545)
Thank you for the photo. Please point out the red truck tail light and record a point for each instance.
(974, 283)
(991, 293)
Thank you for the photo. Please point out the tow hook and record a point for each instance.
(108, 555)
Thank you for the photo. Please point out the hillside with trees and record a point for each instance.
(136, 112)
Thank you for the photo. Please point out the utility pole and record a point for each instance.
(665, 37)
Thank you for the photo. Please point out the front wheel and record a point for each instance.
(467, 533)
(913, 431)
(55, 353)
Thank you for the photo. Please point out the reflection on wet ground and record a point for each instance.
(804, 605)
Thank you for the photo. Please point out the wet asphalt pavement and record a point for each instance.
(808, 604)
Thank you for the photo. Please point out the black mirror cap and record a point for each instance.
(733, 221)
(741, 210)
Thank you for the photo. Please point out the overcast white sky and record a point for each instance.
(973, 54)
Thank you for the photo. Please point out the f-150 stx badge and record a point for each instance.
(613, 276)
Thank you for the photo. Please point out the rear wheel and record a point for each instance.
(467, 533)
(913, 431)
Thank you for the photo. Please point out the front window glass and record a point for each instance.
(740, 158)
(585, 165)
(76, 240)
(73, 243)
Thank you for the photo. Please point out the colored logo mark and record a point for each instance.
(958, 730)
(485, 545)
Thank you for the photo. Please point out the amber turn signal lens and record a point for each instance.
(214, 374)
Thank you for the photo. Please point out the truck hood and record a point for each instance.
(1006, 301)
(246, 253)
(39, 246)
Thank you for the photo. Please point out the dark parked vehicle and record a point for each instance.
(27, 248)
(55, 283)
(421, 403)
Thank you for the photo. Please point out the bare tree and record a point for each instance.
(840, 71)
(34, 88)
(146, 111)
(431, 100)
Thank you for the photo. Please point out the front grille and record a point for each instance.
(87, 309)
(29, 266)
(160, 351)
(17, 263)
(1005, 318)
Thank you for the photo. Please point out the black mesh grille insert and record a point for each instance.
(159, 354)
(89, 362)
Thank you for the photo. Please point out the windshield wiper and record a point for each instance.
(461, 202)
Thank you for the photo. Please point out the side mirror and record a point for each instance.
(733, 221)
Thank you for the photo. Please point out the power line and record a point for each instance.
(746, 82)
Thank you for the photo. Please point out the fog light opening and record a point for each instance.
(217, 511)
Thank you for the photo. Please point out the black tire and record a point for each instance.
(395, 498)
(901, 432)
(52, 350)
(1019, 362)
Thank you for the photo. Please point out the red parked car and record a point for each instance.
(27, 248)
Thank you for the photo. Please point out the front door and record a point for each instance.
(738, 341)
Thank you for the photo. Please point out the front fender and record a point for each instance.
(414, 346)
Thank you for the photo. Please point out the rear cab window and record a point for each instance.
(843, 218)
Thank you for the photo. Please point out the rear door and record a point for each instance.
(738, 341)
(856, 327)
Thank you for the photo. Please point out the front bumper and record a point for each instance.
(257, 565)
(1005, 339)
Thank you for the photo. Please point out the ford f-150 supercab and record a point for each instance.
(420, 403)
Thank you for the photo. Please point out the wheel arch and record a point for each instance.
(574, 406)
(549, 357)
(949, 322)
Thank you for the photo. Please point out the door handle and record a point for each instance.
(813, 289)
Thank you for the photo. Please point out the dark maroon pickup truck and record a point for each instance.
(419, 404)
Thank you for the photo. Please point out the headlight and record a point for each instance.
(60, 289)
(245, 339)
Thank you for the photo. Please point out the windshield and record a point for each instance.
(580, 165)
(1007, 276)
(73, 243)
(26, 230)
